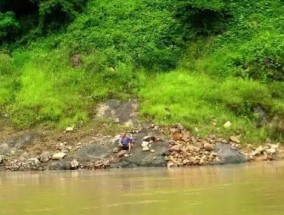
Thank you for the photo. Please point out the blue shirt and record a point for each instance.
(125, 140)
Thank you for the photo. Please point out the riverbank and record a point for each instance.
(155, 146)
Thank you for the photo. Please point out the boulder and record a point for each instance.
(118, 111)
(229, 155)
(149, 138)
(145, 149)
(259, 150)
(60, 165)
(74, 164)
(45, 157)
(34, 161)
(58, 156)
(145, 144)
(95, 151)
(271, 151)
(208, 147)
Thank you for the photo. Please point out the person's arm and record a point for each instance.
(120, 142)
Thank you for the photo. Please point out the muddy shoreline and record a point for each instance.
(96, 146)
(154, 146)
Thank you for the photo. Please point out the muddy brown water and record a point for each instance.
(250, 189)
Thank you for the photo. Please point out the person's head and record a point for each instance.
(123, 134)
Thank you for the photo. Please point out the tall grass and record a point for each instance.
(204, 104)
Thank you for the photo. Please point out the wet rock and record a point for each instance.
(58, 156)
(229, 155)
(95, 151)
(45, 157)
(74, 164)
(60, 165)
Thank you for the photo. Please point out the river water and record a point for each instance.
(250, 189)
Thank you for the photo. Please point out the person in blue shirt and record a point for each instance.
(125, 142)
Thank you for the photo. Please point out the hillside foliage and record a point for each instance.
(189, 61)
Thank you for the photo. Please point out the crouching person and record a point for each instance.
(125, 142)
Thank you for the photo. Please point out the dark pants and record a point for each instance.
(124, 147)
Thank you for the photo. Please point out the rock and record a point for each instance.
(118, 111)
(145, 149)
(34, 161)
(152, 150)
(58, 156)
(208, 147)
(1, 159)
(15, 144)
(145, 144)
(74, 164)
(176, 136)
(227, 124)
(69, 129)
(170, 164)
(274, 146)
(121, 153)
(271, 151)
(175, 148)
(60, 165)
(75, 60)
(258, 151)
(228, 155)
(115, 150)
(149, 138)
(69, 148)
(235, 139)
(45, 157)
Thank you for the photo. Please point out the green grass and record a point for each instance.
(198, 102)
(192, 62)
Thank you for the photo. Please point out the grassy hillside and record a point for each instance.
(200, 63)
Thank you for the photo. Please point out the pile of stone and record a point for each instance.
(186, 154)
(99, 164)
(147, 143)
(188, 150)
(263, 152)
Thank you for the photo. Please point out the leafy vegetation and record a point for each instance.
(196, 62)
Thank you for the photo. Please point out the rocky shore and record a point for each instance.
(155, 146)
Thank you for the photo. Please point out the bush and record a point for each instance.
(9, 26)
